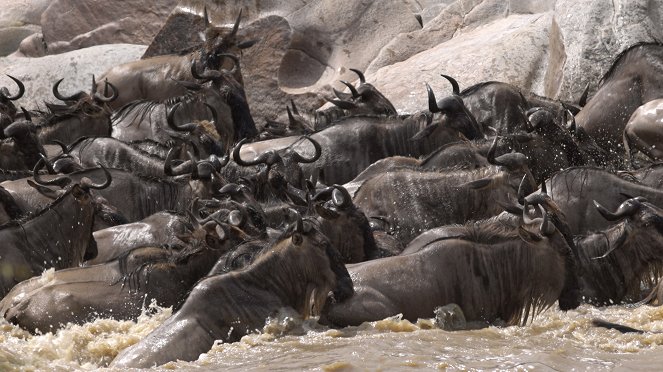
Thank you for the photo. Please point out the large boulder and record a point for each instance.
(76, 67)
(18, 20)
(307, 54)
(95, 22)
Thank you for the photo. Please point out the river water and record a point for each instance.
(554, 340)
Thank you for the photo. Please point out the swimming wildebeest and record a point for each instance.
(122, 287)
(59, 236)
(297, 271)
(493, 270)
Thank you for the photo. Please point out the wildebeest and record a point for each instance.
(122, 287)
(492, 270)
(156, 78)
(297, 271)
(159, 229)
(7, 108)
(364, 99)
(574, 189)
(499, 105)
(413, 201)
(644, 131)
(201, 116)
(634, 78)
(135, 196)
(59, 236)
(616, 261)
(81, 114)
(20, 149)
(373, 138)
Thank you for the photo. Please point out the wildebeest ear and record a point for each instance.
(52, 194)
(478, 184)
(528, 236)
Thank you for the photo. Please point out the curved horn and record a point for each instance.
(318, 151)
(103, 98)
(299, 223)
(353, 90)
(215, 114)
(236, 25)
(205, 16)
(21, 89)
(26, 114)
(65, 148)
(294, 107)
(532, 110)
(432, 102)
(627, 208)
(238, 158)
(323, 194)
(170, 119)
(454, 84)
(87, 184)
(583, 98)
(341, 197)
(546, 228)
(179, 170)
(61, 181)
(490, 156)
(362, 79)
(49, 166)
(73, 97)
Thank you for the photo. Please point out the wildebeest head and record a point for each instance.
(202, 134)
(642, 221)
(304, 247)
(7, 108)
(282, 172)
(27, 145)
(452, 112)
(364, 99)
(346, 226)
(107, 214)
(82, 191)
(219, 40)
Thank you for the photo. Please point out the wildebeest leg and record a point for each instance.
(365, 305)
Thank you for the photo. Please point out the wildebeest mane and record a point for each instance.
(474, 88)
(617, 62)
(54, 112)
(144, 107)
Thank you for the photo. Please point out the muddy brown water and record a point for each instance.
(553, 341)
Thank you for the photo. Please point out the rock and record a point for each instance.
(594, 32)
(77, 67)
(32, 46)
(512, 49)
(14, 13)
(11, 37)
(95, 22)
(327, 39)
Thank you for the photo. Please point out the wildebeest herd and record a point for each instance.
(158, 186)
